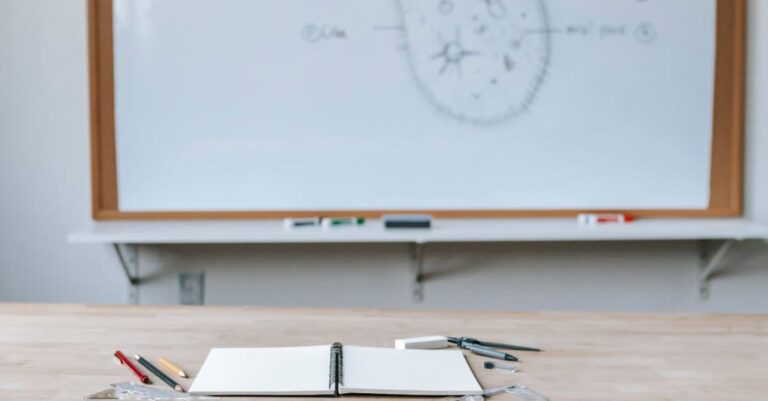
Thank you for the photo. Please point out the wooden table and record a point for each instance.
(64, 352)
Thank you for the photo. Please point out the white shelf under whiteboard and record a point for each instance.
(127, 236)
(443, 230)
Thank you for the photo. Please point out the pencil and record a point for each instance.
(157, 372)
(172, 367)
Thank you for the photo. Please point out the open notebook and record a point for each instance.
(333, 370)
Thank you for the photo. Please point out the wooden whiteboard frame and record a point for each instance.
(727, 136)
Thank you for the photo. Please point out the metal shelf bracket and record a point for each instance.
(710, 258)
(417, 271)
(128, 255)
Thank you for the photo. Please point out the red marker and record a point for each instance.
(127, 362)
(600, 218)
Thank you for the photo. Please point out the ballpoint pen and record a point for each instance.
(120, 357)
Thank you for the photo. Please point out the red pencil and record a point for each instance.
(127, 362)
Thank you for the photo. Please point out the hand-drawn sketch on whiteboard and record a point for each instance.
(229, 105)
(645, 33)
(481, 62)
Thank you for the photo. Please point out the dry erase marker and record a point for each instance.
(343, 221)
(302, 222)
(407, 221)
(601, 218)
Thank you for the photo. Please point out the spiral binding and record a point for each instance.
(336, 371)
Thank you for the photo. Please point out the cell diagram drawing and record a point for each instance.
(478, 61)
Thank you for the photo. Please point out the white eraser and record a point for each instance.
(431, 342)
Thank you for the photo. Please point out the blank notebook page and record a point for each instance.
(370, 370)
(265, 371)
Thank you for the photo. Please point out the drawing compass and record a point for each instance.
(463, 342)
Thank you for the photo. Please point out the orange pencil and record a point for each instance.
(172, 367)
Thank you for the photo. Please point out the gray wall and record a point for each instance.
(44, 194)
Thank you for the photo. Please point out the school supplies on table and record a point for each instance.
(486, 348)
(171, 367)
(157, 372)
(463, 341)
(120, 357)
(133, 391)
(430, 342)
(522, 392)
(334, 370)
(490, 353)
(493, 365)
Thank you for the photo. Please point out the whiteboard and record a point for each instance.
(413, 104)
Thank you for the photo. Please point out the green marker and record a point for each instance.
(343, 221)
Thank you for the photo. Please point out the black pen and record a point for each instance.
(157, 372)
(479, 350)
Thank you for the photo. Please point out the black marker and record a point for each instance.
(302, 222)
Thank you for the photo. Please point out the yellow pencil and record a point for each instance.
(171, 367)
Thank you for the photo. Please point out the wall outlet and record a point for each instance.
(192, 288)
